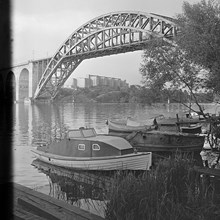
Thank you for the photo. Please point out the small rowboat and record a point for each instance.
(84, 149)
(128, 126)
(192, 129)
(185, 125)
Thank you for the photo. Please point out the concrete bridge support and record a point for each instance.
(21, 81)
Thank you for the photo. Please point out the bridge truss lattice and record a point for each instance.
(112, 33)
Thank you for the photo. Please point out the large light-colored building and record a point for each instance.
(96, 80)
(74, 85)
(83, 83)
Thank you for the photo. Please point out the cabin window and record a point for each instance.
(95, 147)
(81, 147)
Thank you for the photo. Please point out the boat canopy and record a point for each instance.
(90, 135)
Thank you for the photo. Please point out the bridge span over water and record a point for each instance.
(113, 33)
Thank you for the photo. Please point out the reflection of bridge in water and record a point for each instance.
(113, 33)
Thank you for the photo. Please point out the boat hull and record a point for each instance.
(156, 141)
(192, 129)
(134, 161)
(121, 126)
(171, 125)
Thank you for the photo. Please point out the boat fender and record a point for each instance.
(155, 123)
(135, 150)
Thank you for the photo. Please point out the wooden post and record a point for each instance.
(178, 125)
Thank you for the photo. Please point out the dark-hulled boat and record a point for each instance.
(165, 124)
(156, 141)
(84, 149)
(186, 125)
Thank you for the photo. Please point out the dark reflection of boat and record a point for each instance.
(85, 189)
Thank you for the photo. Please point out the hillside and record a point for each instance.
(133, 94)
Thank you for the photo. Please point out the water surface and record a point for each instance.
(46, 122)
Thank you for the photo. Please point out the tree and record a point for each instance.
(165, 65)
(200, 37)
(196, 48)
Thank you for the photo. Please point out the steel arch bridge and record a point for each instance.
(112, 33)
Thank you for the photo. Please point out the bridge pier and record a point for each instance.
(21, 80)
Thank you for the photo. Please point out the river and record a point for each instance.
(45, 122)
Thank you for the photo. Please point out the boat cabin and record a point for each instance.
(85, 142)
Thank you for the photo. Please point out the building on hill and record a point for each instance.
(83, 83)
(95, 80)
(74, 84)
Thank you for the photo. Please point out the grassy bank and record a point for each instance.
(173, 190)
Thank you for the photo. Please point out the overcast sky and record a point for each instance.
(41, 26)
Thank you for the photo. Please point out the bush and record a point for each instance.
(173, 190)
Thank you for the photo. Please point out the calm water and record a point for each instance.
(46, 122)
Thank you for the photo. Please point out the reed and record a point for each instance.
(172, 190)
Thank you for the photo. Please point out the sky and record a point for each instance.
(39, 28)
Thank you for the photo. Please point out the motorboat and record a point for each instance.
(158, 141)
(84, 149)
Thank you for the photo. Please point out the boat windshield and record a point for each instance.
(88, 132)
(75, 134)
(82, 133)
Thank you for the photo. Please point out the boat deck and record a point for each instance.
(30, 204)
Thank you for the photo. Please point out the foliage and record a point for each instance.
(166, 66)
(64, 94)
(173, 190)
(199, 38)
(192, 62)
(164, 63)
(134, 94)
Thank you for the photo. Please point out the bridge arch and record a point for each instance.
(23, 82)
(112, 33)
